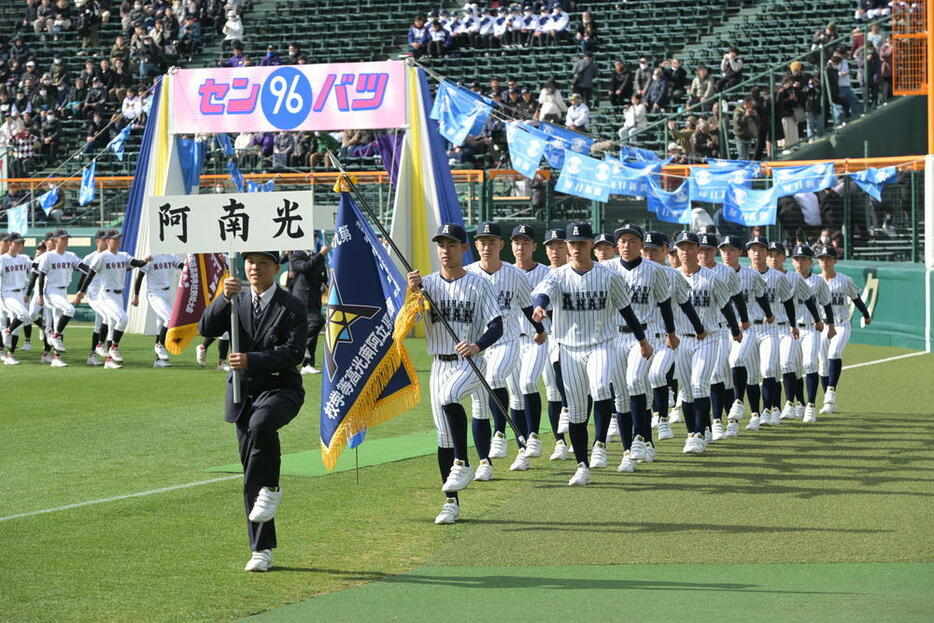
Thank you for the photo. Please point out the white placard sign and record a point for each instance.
(235, 223)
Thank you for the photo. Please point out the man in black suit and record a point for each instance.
(272, 337)
(308, 274)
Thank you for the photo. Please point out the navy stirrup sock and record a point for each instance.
(835, 367)
(811, 381)
(457, 423)
(554, 414)
(482, 436)
(445, 463)
(533, 412)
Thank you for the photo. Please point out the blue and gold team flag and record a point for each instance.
(368, 377)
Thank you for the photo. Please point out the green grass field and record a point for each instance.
(827, 522)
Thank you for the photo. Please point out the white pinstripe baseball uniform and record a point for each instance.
(469, 305)
(533, 358)
(810, 337)
(745, 354)
(161, 284)
(842, 289)
(664, 357)
(501, 360)
(695, 359)
(722, 372)
(789, 347)
(14, 276)
(552, 392)
(778, 290)
(585, 323)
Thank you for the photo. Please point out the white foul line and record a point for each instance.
(120, 497)
(223, 478)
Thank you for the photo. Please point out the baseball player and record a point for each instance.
(4, 249)
(533, 357)
(789, 347)
(14, 273)
(501, 360)
(223, 347)
(585, 298)
(662, 371)
(604, 248)
(831, 353)
(55, 269)
(698, 353)
(162, 273)
(781, 299)
(110, 268)
(469, 305)
(37, 312)
(721, 387)
(803, 259)
(650, 292)
(744, 356)
(556, 249)
(97, 355)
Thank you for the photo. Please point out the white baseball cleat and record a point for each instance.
(310, 369)
(449, 514)
(664, 430)
(9, 360)
(637, 450)
(484, 470)
(788, 411)
(93, 360)
(57, 343)
(498, 446)
(101, 351)
(716, 430)
(581, 476)
(161, 352)
(533, 447)
(7, 338)
(114, 353)
(223, 366)
(264, 508)
(707, 437)
(521, 463)
(830, 401)
(560, 452)
(732, 429)
(776, 416)
(674, 416)
(46, 358)
(259, 561)
(58, 363)
(26, 345)
(613, 431)
(694, 444)
(627, 464)
(598, 455)
(810, 414)
(459, 479)
(200, 355)
(655, 419)
(753, 423)
(799, 411)
(737, 410)
(111, 364)
(161, 363)
(564, 424)
(649, 453)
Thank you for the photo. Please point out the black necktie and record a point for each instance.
(257, 309)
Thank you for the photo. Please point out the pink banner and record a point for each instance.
(333, 96)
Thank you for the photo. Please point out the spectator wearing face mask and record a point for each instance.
(620, 84)
(731, 70)
(49, 131)
(642, 77)
(658, 92)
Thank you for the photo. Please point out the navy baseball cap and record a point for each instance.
(757, 240)
(709, 240)
(827, 251)
(523, 230)
(490, 229)
(687, 236)
(579, 231)
(60, 233)
(629, 228)
(607, 238)
(775, 245)
(4, 237)
(273, 255)
(554, 235)
(451, 231)
(16, 237)
(100, 233)
(655, 240)
(802, 250)
(48, 236)
(732, 241)
(113, 234)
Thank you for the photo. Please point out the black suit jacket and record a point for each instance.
(309, 273)
(274, 349)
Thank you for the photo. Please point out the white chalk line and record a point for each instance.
(140, 494)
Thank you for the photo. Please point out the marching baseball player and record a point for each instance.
(831, 353)
(223, 347)
(162, 273)
(55, 269)
(4, 248)
(585, 298)
(469, 305)
(501, 360)
(803, 259)
(790, 346)
(604, 248)
(38, 313)
(110, 268)
(556, 249)
(781, 299)
(97, 355)
(533, 357)
(721, 387)
(697, 354)
(14, 273)
(649, 291)
(744, 356)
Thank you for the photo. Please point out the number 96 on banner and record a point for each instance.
(286, 98)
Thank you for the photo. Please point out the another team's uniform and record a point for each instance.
(110, 274)
(14, 276)
(93, 292)
(162, 278)
(57, 268)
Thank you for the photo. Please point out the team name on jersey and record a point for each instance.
(115, 265)
(504, 300)
(15, 267)
(454, 311)
(700, 298)
(838, 298)
(60, 265)
(583, 301)
(639, 294)
(770, 293)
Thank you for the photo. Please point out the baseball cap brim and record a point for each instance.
(439, 237)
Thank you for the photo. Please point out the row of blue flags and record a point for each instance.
(460, 112)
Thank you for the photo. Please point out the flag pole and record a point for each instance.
(235, 329)
(345, 177)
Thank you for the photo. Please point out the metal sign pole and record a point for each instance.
(235, 329)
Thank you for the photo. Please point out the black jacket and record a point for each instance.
(274, 349)
(309, 273)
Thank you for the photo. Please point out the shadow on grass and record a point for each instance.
(654, 528)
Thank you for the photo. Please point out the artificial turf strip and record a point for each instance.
(716, 593)
(372, 452)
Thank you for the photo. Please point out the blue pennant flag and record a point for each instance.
(561, 139)
(86, 194)
(118, 142)
(804, 179)
(368, 377)
(636, 154)
(459, 112)
(525, 149)
(751, 207)
(224, 143)
(723, 164)
(709, 185)
(47, 200)
(630, 179)
(871, 180)
(583, 176)
(191, 159)
(669, 206)
(17, 219)
(235, 175)
(266, 187)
